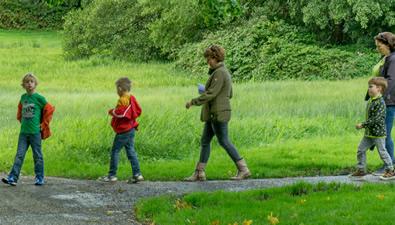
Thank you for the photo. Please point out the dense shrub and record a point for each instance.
(263, 50)
(114, 28)
(143, 29)
(258, 47)
(28, 14)
(336, 21)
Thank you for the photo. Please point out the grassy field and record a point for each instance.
(298, 204)
(287, 128)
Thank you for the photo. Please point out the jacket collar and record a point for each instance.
(377, 97)
(211, 70)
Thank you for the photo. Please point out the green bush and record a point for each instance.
(265, 50)
(113, 28)
(178, 22)
(32, 15)
(143, 30)
(335, 21)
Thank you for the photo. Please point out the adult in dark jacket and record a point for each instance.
(216, 113)
(385, 43)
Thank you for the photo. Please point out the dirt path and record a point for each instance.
(65, 201)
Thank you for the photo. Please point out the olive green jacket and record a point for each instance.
(216, 97)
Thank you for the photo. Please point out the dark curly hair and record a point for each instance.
(216, 52)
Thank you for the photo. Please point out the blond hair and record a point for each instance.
(380, 82)
(27, 77)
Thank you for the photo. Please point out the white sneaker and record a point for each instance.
(108, 179)
(136, 179)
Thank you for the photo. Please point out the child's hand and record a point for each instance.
(188, 105)
(359, 126)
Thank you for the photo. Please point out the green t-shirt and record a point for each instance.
(32, 106)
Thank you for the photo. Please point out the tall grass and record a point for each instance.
(271, 121)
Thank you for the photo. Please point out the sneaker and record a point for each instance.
(388, 175)
(9, 180)
(108, 179)
(136, 179)
(380, 171)
(358, 173)
(39, 181)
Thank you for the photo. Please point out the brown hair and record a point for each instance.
(216, 52)
(123, 84)
(379, 81)
(386, 38)
(29, 76)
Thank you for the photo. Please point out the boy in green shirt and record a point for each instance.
(29, 114)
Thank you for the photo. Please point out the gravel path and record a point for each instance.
(65, 201)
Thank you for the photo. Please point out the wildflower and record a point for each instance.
(215, 222)
(302, 201)
(247, 222)
(272, 219)
(380, 196)
(180, 204)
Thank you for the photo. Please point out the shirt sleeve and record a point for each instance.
(212, 91)
(390, 78)
(42, 101)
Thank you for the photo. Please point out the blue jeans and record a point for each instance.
(124, 140)
(24, 141)
(220, 129)
(389, 121)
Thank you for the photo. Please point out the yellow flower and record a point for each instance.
(180, 204)
(380, 196)
(247, 222)
(272, 219)
(302, 201)
(215, 222)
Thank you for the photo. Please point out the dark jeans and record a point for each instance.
(124, 140)
(24, 141)
(219, 129)
(389, 121)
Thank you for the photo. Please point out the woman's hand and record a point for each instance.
(188, 105)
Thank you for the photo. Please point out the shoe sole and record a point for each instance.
(197, 180)
(245, 176)
(357, 178)
(377, 174)
(387, 178)
(6, 182)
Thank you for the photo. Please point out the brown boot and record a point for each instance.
(242, 170)
(199, 174)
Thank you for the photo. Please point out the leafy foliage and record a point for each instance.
(24, 14)
(337, 21)
(113, 28)
(265, 50)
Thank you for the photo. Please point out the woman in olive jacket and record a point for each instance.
(216, 112)
(385, 43)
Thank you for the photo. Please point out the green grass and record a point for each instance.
(286, 128)
(297, 204)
